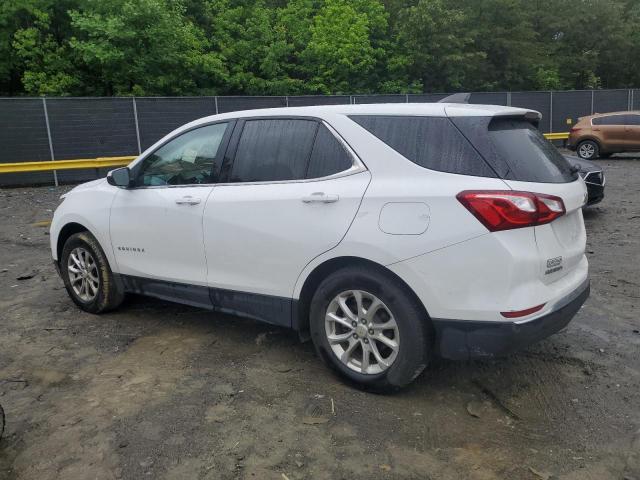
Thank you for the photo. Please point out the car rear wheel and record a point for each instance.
(369, 329)
(588, 150)
(87, 276)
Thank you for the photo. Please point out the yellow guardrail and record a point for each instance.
(102, 162)
(99, 162)
(557, 136)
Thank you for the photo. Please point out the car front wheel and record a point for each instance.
(588, 150)
(369, 329)
(87, 276)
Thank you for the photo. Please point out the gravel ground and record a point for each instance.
(156, 390)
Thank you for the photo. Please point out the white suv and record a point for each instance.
(385, 233)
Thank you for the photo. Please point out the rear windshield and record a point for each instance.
(516, 149)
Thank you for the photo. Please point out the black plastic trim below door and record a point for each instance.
(264, 308)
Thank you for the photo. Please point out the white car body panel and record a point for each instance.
(262, 238)
(88, 205)
(169, 233)
(259, 236)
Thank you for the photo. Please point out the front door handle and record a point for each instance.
(188, 200)
(320, 197)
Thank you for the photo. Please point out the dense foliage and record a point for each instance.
(276, 47)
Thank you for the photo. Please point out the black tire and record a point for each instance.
(414, 329)
(109, 294)
(588, 146)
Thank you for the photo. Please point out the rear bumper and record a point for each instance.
(461, 340)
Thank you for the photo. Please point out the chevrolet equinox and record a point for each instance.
(385, 233)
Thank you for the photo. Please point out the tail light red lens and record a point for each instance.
(522, 313)
(504, 210)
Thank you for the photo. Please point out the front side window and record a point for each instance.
(190, 159)
(633, 120)
(273, 150)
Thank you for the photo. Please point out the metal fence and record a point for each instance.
(42, 129)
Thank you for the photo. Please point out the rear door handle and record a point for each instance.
(188, 200)
(320, 197)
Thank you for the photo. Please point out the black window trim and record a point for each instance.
(357, 165)
(222, 149)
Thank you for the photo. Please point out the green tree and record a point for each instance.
(339, 55)
(143, 47)
(439, 45)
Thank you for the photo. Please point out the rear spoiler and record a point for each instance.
(456, 98)
(531, 116)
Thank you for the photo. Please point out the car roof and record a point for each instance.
(328, 112)
(625, 112)
(426, 109)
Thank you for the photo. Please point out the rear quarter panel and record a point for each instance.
(396, 180)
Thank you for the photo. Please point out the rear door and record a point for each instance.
(538, 167)
(526, 161)
(292, 190)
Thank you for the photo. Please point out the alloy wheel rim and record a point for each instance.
(83, 274)
(362, 332)
(587, 150)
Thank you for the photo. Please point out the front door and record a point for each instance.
(156, 226)
(633, 131)
(292, 191)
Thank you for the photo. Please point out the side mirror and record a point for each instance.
(120, 177)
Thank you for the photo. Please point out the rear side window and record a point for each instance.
(431, 142)
(610, 120)
(328, 156)
(273, 149)
(516, 149)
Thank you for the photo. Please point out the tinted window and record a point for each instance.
(191, 158)
(431, 142)
(272, 150)
(610, 120)
(633, 119)
(328, 156)
(516, 149)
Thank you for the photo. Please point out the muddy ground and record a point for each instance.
(157, 390)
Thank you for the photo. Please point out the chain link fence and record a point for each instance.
(42, 129)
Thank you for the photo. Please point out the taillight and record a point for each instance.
(575, 129)
(504, 209)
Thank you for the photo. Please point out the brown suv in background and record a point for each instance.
(602, 134)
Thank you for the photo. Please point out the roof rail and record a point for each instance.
(456, 98)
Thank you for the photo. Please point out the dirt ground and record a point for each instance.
(156, 390)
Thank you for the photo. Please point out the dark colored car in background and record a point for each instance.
(593, 176)
(600, 135)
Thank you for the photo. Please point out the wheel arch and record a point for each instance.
(589, 138)
(69, 229)
(300, 313)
